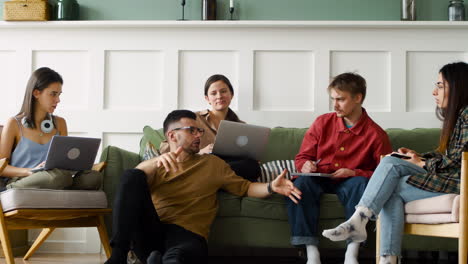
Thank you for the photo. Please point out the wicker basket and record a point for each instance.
(26, 10)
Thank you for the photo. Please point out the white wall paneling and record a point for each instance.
(195, 67)
(74, 67)
(122, 75)
(128, 141)
(374, 66)
(284, 81)
(133, 80)
(419, 84)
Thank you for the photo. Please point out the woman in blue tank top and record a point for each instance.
(26, 138)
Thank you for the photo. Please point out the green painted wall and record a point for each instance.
(259, 9)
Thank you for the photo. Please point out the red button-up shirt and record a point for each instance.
(357, 148)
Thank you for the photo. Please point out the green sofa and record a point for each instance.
(263, 223)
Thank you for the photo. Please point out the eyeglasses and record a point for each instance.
(193, 130)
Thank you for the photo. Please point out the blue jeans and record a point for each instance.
(387, 193)
(303, 217)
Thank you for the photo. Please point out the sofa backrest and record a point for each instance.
(284, 143)
(419, 139)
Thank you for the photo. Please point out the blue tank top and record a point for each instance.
(28, 154)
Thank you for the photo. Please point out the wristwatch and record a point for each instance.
(270, 191)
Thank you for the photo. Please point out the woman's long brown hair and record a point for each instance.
(456, 76)
(39, 80)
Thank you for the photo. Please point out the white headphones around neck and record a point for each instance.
(47, 125)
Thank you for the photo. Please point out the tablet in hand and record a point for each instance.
(400, 156)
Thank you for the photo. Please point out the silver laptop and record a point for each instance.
(311, 174)
(236, 139)
(71, 153)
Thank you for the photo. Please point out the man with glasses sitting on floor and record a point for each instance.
(165, 206)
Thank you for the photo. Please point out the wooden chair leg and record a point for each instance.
(463, 249)
(377, 241)
(103, 235)
(38, 242)
(5, 240)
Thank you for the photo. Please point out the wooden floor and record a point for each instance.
(41, 258)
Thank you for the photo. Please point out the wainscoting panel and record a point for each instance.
(374, 66)
(284, 80)
(128, 141)
(423, 67)
(133, 80)
(7, 68)
(195, 67)
(73, 66)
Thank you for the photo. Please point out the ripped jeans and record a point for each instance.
(386, 193)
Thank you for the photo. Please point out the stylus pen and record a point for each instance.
(317, 162)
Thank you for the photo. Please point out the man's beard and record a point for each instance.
(191, 150)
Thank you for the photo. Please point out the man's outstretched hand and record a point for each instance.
(285, 187)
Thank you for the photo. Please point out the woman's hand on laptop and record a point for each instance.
(284, 186)
(168, 160)
(35, 169)
(206, 150)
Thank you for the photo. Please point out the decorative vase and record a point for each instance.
(408, 10)
(208, 9)
(67, 10)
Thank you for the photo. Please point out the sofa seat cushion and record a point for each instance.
(26, 198)
(274, 207)
(228, 204)
(435, 210)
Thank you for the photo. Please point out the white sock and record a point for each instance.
(354, 228)
(313, 255)
(388, 260)
(352, 253)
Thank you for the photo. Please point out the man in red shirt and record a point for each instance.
(346, 144)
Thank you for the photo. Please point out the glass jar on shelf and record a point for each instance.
(456, 10)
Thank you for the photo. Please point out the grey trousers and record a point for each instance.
(58, 179)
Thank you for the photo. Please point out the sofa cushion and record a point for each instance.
(435, 210)
(51, 199)
(434, 205)
(228, 204)
(153, 136)
(274, 207)
(150, 152)
(283, 143)
(431, 219)
(419, 139)
(271, 169)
